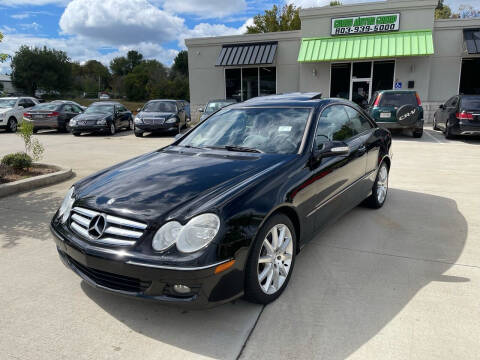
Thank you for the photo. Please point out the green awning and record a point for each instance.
(368, 46)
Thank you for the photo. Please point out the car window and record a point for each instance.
(270, 130)
(28, 103)
(68, 108)
(334, 125)
(7, 103)
(160, 106)
(76, 109)
(121, 108)
(398, 99)
(470, 103)
(452, 102)
(359, 122)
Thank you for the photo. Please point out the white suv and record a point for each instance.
(11, 111)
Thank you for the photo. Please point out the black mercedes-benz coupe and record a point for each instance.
(223, 210)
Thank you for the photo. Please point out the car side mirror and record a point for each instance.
(139, 109)
(200, 110)
(441, 106)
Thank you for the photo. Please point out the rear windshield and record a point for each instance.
(160, 106)
(398, 99)
(47, 106)
(470, 103)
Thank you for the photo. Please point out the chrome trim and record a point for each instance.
(105, 241)
(133, 262)
(125, 222)
(123, 232)
(340, 149)
(85, 212)
(81, 220)
(322, 204)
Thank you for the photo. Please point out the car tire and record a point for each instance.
(380, 188)
(112, 129)
(130, 125)
(35, 131)
(12, 125)
(138, 134)
(417, 133)
(448, 131)
(76, 133)
(269, 260)
(435, 127)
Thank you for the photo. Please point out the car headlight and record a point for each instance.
(66, 207)
(101, 122)
(172, 120)
(195, 235)
(72, 122)
(137, 120)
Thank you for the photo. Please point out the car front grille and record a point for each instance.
(116, 231)
(153, 121)
(87, 122)
(109, 280)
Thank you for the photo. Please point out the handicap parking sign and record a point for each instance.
(398, 85)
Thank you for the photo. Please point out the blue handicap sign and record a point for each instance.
(398, 85)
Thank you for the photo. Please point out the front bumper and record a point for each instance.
(114, 272)
(395, 125)
(89, 128)
(156, 127)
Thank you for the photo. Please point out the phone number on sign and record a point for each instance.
(363, 29)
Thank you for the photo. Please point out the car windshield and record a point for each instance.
(7, 103)
(470, 103)
(398, 99)
(160, 106)
(104, 109)
(216, 105)
(47, 106)
(268, 130)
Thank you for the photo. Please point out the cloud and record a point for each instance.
(20, 16)
(205, 9)
(32, 26)
(119, 22)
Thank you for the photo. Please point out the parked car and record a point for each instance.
(11, 111)
(72, 102)
(52, 115)
(214, 105)
(223, 211)
(104, 97)
(186, 106)
(460, 115)
(160, 116)
(398, 109)
(102, 117)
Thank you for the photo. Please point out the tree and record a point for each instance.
(442, 11)
(335, 3)
(3, 57)
(180, 63)
(144, 80)
(119, 66)
(41, 68)
(275, 20)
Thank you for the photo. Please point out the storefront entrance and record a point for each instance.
(357, 81)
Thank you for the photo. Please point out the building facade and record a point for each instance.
(347, 51)
(7, 87)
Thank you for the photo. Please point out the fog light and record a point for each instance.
(181, 289)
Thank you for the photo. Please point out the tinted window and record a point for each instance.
(76, 109)
(216, 105)
(470, 103)
(26, 103)
(358, 121)
(160, 106)
(398, 99)
(121, 108)
(68, 108)
(233, 84)
(271, 130)
(334, 124)
(104, 109)
(452, 102)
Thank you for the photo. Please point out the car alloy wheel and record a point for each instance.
(435, 127)
(112, 129)
(130, 125)
(382, 184)
(275, 259)
(12, 125)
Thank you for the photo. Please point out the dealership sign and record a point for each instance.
(365, 24)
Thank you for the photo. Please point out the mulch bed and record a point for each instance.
(8, 174)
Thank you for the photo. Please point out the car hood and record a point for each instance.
(92, 116)
(175, 182)
(4, 110)
(152, 115)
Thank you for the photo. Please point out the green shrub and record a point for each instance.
(17, 161)
(32, 145)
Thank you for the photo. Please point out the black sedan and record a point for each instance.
(223, 211)
(460, 115)
(53, 115)
(107, 117)
(161, 116)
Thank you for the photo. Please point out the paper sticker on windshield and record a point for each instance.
(284, 128)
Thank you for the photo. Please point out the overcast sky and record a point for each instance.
(103, 29)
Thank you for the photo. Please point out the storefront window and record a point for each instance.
(383, 75)
(340, 81)
(362, 70)
(249, 83)
(268, 81)
(470, 78)
(245, 83)
(233, 84)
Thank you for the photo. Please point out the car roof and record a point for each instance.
(105, 103)
(224, 100)
(290, 99)
(159, 100)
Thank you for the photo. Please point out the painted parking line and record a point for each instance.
(434, 138)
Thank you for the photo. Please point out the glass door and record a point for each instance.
(361, 91)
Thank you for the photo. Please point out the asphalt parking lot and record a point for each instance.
(399, 283)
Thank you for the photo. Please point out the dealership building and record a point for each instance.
(347, 51)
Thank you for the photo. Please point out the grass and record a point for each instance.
(131, 105)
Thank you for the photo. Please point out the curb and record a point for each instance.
(15, 187)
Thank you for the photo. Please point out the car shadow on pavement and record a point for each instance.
(358, 275)
(348, 283)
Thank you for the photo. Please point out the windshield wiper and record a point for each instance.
(236, 148)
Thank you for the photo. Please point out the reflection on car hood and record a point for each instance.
(92, 116)
(175, 181)
(153, 115)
